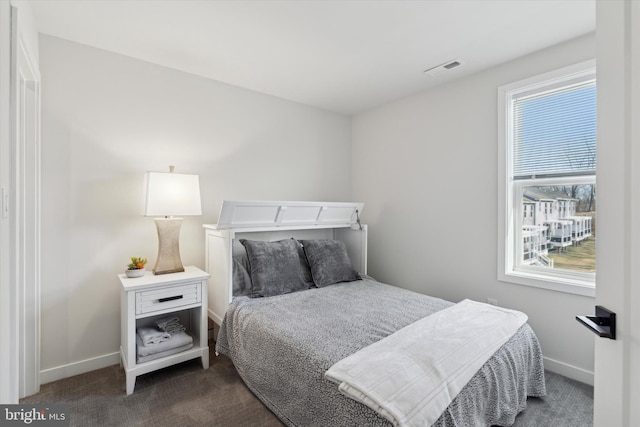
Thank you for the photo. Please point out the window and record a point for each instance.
(547, 132)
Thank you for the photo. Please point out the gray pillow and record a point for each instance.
(329, 262)
(241, 278)
(304, 267)
(275, 267)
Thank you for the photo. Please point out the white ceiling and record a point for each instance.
(342, 56)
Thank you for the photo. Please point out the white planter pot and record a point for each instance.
(135, 273)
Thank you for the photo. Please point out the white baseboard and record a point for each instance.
(77, 368)
(568, 371)
(216, 319)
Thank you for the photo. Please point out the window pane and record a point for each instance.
(555, 132)
(558, 227)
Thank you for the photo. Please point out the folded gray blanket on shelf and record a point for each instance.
(142, 359)
(170, 324)
(174, 329)
(177, 340)
(151, 336)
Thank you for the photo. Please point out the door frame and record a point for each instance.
(617, 362)
(19, 206)
(25, 203)
(9, 391)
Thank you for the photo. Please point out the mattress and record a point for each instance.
(283, 345)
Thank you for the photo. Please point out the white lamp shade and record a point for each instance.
(171, 194)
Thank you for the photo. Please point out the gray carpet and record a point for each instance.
(568, 403)
(187, 395)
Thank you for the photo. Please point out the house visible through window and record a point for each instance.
(549, 200)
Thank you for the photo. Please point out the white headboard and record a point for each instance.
(268, 221)
(265, 214)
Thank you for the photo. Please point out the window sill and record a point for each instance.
(558, 284)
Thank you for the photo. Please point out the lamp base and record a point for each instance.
(168, 260)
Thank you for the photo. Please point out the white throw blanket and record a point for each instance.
(411, 376)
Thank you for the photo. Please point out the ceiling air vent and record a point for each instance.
(447, 66)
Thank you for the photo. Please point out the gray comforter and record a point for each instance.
(283, 345)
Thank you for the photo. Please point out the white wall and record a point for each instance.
(426, 166)
(106, 119)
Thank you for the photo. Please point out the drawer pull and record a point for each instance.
(170, 298)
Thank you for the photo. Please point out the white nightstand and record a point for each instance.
(147, 298)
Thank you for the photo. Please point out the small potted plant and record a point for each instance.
(136, 267)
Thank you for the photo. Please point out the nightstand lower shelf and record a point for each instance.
(153, 365)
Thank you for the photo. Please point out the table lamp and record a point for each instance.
(170, 195)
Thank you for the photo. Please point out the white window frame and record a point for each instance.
(510, 194)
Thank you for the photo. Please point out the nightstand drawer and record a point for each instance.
(168, 297)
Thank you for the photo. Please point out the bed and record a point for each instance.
(283, 342)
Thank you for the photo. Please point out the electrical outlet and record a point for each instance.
(492, 301)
